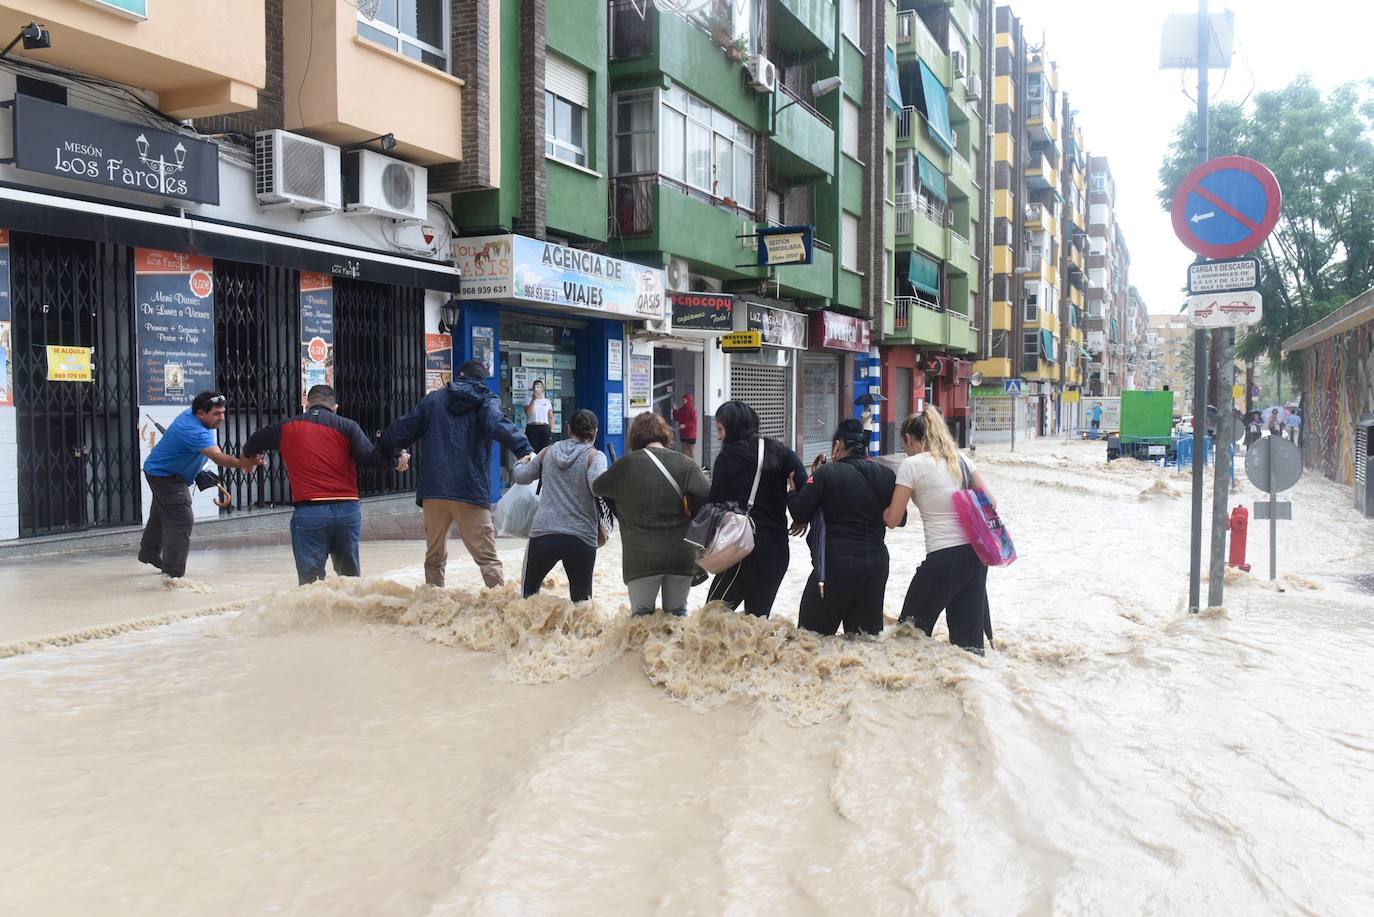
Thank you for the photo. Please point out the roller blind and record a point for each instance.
(566, 80)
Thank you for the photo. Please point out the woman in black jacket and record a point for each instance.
(850, 494)
(753, 581)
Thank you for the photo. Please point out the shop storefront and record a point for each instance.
(538, 310)
(766, 380)
(686, 361)
(165, 303)
(827, 371)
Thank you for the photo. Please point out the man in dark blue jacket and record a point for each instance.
(455, 426)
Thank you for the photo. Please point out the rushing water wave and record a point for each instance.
(371, 746)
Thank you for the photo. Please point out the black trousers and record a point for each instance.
(577, 557)
(854, 588)
(537, 434)
(167, 536)
(754, 581)
(955, 581)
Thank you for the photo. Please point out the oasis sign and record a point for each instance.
(71, 143)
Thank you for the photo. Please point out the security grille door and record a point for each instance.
(379, 365)
(78, 441)
(258, 367)
(901, 408)
(766, 389)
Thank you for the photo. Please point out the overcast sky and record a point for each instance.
(1108, 57)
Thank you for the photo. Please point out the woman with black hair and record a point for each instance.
(567, 525)
(851, 492)
(753, 581)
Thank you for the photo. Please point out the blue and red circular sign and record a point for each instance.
(1226, 207)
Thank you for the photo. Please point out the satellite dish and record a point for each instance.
(975, 380)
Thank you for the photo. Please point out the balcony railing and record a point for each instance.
(905, 119)
(794, 98)
(901, 315)
(909, 202)
(632, 29)
(632, 202)
(906, 27)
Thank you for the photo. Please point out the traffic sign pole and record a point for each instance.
(1204, 44)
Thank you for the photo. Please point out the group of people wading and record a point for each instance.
(844, 503)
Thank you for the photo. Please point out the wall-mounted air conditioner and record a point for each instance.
(763, 74)
(677, 275)
(960, 63)
(294, 171)
(973, 87)
(380, 185)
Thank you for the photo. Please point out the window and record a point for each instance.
(849, 128)
(1030, 352)
(851, 22)
(849, 251)
(566, 93)
(1097, 182)
(416, 28)
(735, 17)
(1032, 306)
(695, 144)
(565, 129)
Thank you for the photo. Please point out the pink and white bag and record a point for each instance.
(981, 524)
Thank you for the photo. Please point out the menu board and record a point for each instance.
(317, 331)
(438, 361)
(175, 299)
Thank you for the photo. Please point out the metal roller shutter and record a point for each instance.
(766, 389)
(566, 80)
(901, 408)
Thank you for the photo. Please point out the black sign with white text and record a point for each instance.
(71, 143)
(703, 311)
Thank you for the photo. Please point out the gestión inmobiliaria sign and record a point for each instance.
(71, 143)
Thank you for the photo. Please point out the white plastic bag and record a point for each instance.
(513, 515)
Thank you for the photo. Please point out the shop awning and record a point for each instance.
(937, 107)
(1047, 345)
(924, 273)
(931, 176)
(56, 215)
(894, 83)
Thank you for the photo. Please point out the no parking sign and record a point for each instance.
(1226, 207)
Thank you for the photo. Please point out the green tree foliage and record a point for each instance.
(1321, 150)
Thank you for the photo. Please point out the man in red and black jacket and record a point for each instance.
(322, 452)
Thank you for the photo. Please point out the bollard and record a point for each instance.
(1238, 525)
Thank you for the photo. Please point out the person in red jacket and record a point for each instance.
(322, 452)
(685, 416)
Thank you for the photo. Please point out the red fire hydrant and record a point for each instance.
(1238, 524)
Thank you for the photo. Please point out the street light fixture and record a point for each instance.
(34, 36)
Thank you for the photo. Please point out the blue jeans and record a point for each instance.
(322, 531)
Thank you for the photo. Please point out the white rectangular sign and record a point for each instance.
(1217, 276)
(1225, 310)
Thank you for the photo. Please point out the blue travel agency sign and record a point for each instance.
(71, 143)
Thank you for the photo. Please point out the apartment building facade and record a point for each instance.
(938, 271)
(1109, 263)
(150, 233)
(1171, 355)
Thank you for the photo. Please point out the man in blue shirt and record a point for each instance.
(171, 470)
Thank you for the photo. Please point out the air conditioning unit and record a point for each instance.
(954, 139)
(677, 274)
(960, 63)
(973, 87)
(763, 74)
(662, 325)
(380, 185)
(294, 171)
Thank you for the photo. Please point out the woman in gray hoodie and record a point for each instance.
(567, 525)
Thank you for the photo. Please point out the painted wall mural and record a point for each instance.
(1340, 390)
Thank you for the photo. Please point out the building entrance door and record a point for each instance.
(78, 441)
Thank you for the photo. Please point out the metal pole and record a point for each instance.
(1221, 481)
(1273, 516)
(1199, 337)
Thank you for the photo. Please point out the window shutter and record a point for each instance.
(849, 247)
(566, 80)
(774, 207)
(850, 127)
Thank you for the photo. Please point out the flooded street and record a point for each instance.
(382, 747)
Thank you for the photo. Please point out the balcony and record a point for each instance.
(1040, 175)
(803, 141)
(1040, 121)
(1003, 148)
(200, 59)
(1003, 261)
(913, 38)
(961, 258)
(807, 27)
(961, 180)
(655, 213)
(922, 323)
(1000, 316)
(348, 89)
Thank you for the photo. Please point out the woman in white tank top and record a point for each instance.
(538, 417)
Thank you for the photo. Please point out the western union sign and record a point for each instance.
(740, 341)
